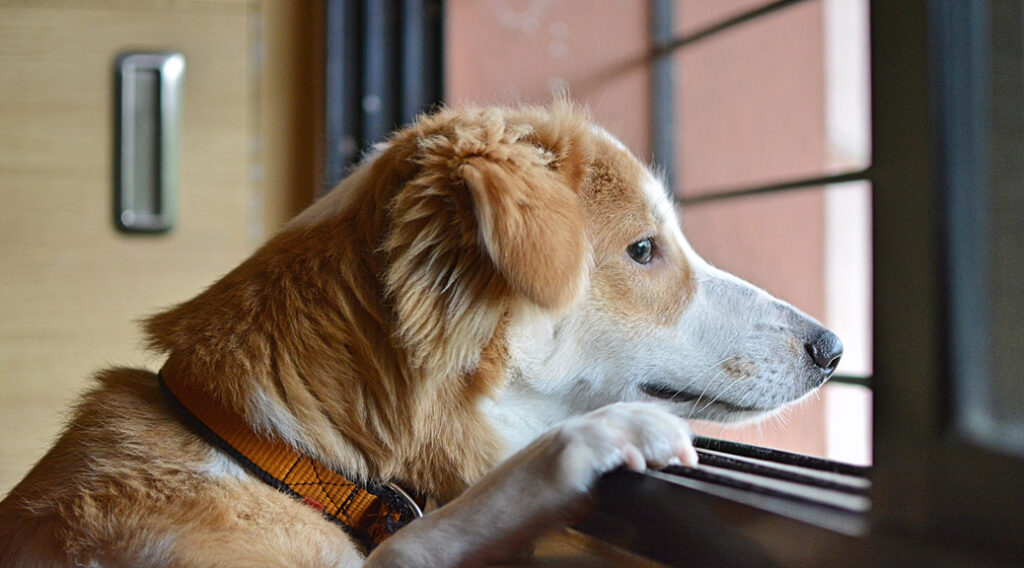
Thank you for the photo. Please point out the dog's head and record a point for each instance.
(604, 298)
(549, 217)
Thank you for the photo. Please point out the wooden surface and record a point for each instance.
(71, 287)
(570, 549)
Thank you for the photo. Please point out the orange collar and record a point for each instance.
(368, 512)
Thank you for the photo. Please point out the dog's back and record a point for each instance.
(128, 484)
(71, 496)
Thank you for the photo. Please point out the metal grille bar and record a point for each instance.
(802, 183)
(704, 33)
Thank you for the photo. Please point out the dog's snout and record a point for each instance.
(825, 349)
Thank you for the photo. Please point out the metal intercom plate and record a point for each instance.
(148, 123)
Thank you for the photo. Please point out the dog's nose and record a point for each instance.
(825, 350)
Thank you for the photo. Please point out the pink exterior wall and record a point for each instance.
(513, 51)
(750, 110)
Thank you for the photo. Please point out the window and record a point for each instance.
(947, 214)
(719, 121)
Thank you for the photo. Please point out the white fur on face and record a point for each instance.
(738, 349)
(734, 353)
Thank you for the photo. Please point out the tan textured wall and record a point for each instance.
(71, 287)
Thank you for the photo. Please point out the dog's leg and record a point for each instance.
(539, 487)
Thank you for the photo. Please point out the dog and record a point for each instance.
(493, 309)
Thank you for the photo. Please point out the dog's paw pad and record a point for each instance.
(634, 435)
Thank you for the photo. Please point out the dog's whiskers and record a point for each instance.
(703, 392)
(719, 396)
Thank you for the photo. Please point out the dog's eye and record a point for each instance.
(641, 250)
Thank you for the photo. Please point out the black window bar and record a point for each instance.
(384, 66)
(664, 43)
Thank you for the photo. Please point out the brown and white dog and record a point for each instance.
(496, 307)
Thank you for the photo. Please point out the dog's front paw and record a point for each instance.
(637, 435)
(535, 488)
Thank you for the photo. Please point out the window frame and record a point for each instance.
(940, 496)
(931, 94)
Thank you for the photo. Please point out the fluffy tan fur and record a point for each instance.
(374, 331)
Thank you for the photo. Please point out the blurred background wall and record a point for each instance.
(71, 285)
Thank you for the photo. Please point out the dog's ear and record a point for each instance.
(531, 225)
(493, 215)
